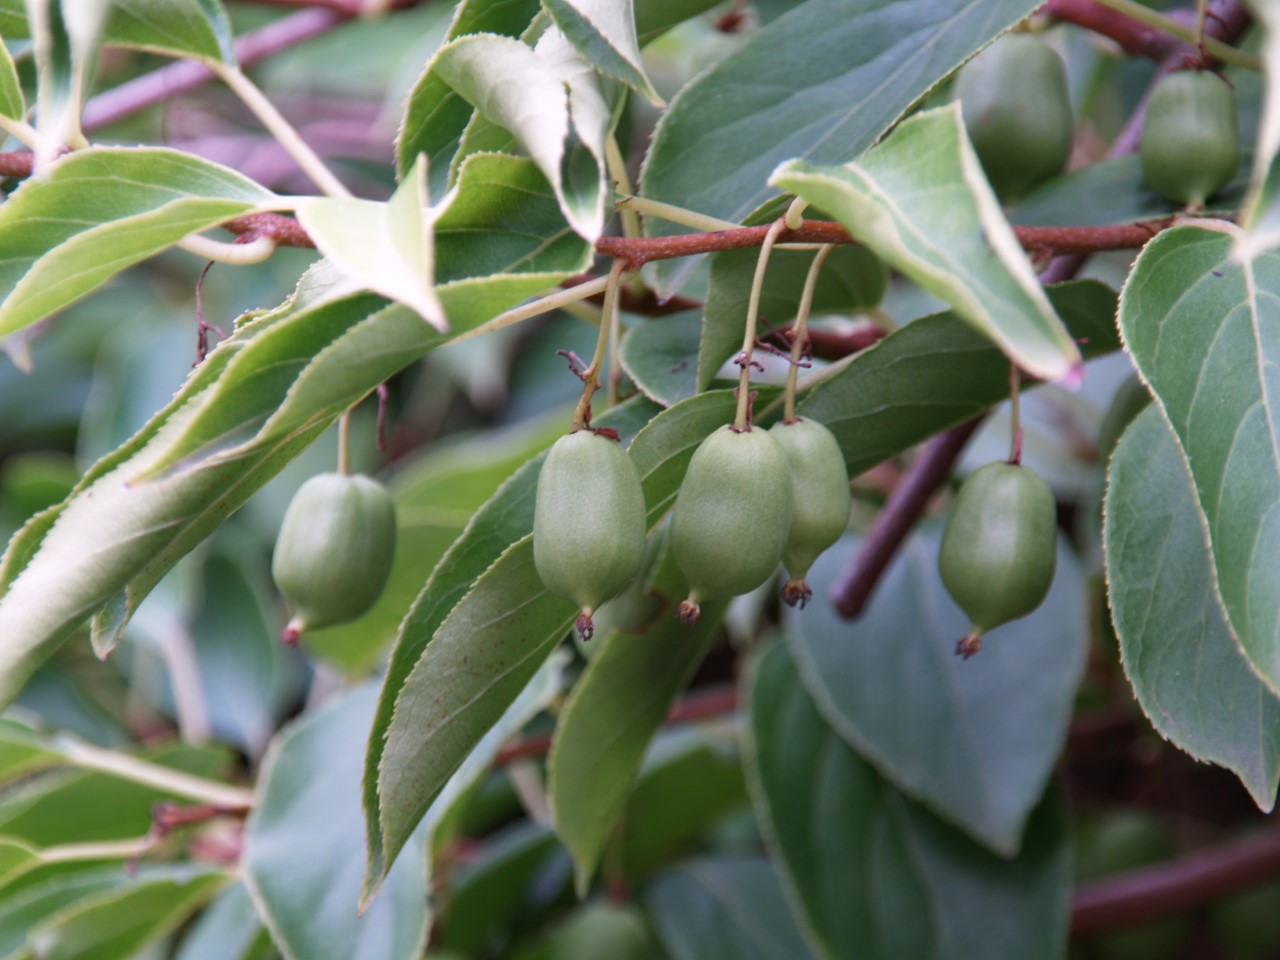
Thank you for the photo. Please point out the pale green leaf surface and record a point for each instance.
(22, 911)
(177, 28)
(304, 843)
(853, 278)
(16, 858)
(937, 372)
(228, 930)
(863, 63)
(435, 117)
(12, 103)
(100, 210)
(515, 88)
(604, 32)
(845, 837)
(615, 709)
(974, 741)
(920, 201)
(1204, 332)
(1179, 652)
(724, 908)
(123, 920)
(661, 357)
(386, 247)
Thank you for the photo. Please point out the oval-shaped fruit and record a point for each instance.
(1016, 108)
(999, 548)
(334, 551)
(732, 515)
(589, 522)
(820, 499)
(1190, 140)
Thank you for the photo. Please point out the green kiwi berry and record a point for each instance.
(732, 515)
(334, 551)
(820, 498)
(1017, 111)
(1190, 141)
(589, 522)
(999, 548)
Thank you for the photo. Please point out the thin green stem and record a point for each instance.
(23, 132)
(742, 418)
(1213, 46)
(281, 129)
(344, 443)
(795, 213)
(171, 781)
(538, 307)
(1015, 416)
(257, 250)
(674, 214)
(800, 329)
(104, 850)
(591, 376)
(618, 171)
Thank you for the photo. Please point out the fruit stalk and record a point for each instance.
(800, 330)
(742, 419)
(591, 375)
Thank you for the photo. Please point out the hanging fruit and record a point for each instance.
(1190, 142)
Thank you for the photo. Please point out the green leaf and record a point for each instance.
(846, 838)
(724, 909)
(976, 742)
(435, 117)
(304, 844)
(937, 372)
(386, 247)
(176, 28)
(524, 91)
(604, 32)
(12, 103)
(479, 660)
(656, 17)
(1201, 326)
(122, 921)
(1262, 210)
(435, 498)
(1179, 653)
(852, 279)
(99, 210)
(661, 356)
(613, 712)
(921, 201)
(691, 778)
(228, 930)
(864, 63)
(21, 752)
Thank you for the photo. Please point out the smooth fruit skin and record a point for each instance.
(820, 498)
(1017, 111)
(1190, 140)
(334, 551)
(999, 548)
(589, 522)
(732, 515)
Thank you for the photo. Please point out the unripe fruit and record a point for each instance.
(999, 548)
(1190, 141)
(820, 499)
(589, 522)
(1017, 112)
(334, 550)
(732, 515)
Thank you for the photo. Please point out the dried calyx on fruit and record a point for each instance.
(732, 515)
(820, 499)
(334, 551)
(1017, 112)
(1190, 140)
(999, 548)
(589, 522)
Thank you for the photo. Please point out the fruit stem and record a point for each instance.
(344, 443)
(1015, 417)
(618, 171)
(742, 419)
(1215, 47)
(969, 645)
(591, 376)
(800, 330)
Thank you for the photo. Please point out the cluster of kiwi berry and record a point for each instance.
(1017, 112)
(750, 499)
